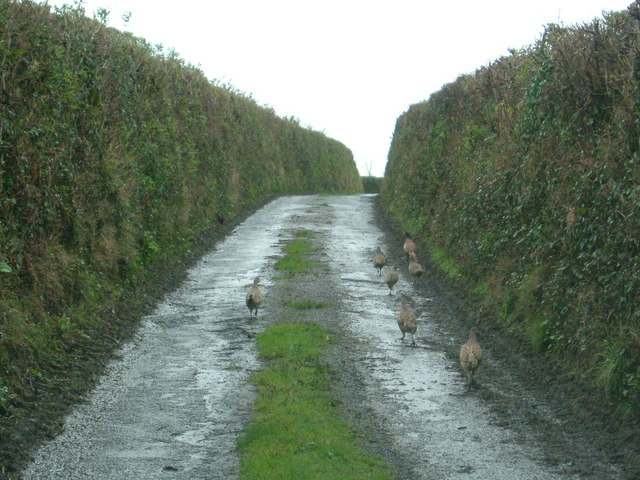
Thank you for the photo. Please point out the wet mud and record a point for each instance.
(174, 402)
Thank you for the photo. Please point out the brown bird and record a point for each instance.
(391, 278)
(379, 260)
(407, 322)
(254, 297)
(409, 245)
(471, 355)
(415, 269)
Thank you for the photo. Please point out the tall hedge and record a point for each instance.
(523, 180)
(115, 157)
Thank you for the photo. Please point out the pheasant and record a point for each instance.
(407, 322)
(379, 260)
(391, 278)
(471, 355)
(409, 245)
(415, 269)
(254, 297)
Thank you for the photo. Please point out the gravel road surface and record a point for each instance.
(173, 403)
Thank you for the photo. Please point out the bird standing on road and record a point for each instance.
(379, 260)
(391, 278)
(415, 269)
(409, 245)
(407, 322)
(471, 355)
(254, 297)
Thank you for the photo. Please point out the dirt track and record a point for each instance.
(174, 402)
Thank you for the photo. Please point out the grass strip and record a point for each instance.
(294, 262)
(296, 432)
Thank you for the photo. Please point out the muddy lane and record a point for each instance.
(174, 403)
(444, 429)
(417, 388)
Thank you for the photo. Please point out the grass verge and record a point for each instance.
(296, 431)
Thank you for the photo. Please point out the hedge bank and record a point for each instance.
(116, 157)
(522, 180)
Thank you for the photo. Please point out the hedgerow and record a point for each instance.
(115, 157)
(524, 176)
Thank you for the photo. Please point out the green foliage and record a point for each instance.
(4, 396)
(296, 431)
(371, 184)
(115, 157)
(537, 331)
(619, 371)
(445, 263)
(524, 176)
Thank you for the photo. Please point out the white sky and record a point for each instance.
(347, 68)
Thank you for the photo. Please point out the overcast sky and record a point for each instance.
(347, 68)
